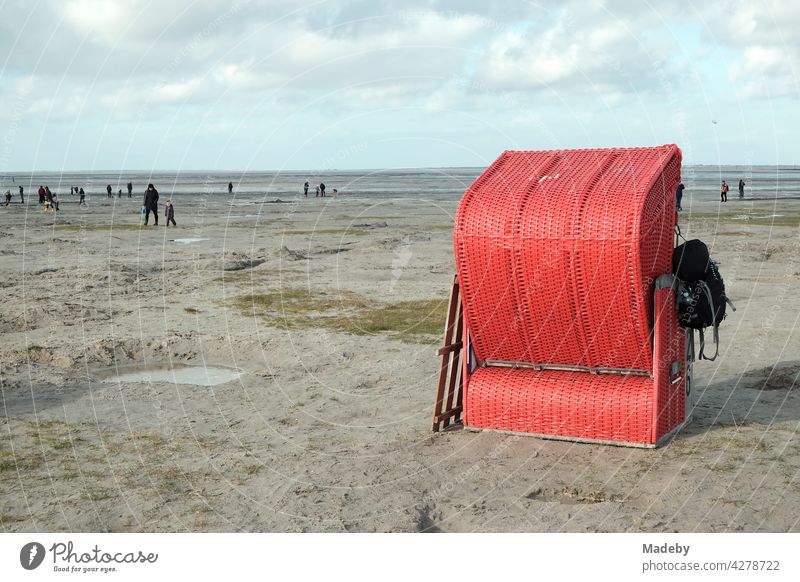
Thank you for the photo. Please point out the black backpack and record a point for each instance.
(701, 292)
(690, 260)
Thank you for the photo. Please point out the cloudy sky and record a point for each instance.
(290, 84)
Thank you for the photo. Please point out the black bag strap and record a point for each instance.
(704, 287)
(678, 235)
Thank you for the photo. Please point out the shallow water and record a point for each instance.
(188, 241)
(197, 375)
(438, 184)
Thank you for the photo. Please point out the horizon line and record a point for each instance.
(12, 174)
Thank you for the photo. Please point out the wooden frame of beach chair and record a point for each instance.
(563, 262)
(449, 393)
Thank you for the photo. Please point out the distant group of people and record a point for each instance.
(723, 194)
(21, 196)
(119, 192)
(50, 202)
(320, 193)
(48, 199)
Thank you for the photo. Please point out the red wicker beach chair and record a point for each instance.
(564, 261)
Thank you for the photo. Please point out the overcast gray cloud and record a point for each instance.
(140, 66)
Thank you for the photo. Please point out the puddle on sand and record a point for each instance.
(755, 216)
(188, 241)
(196, 375)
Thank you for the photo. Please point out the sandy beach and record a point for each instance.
(327, 314)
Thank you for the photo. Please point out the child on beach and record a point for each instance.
(8, 197)
(169, 210)
(55, 202)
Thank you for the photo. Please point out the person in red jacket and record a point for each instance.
(723, 194)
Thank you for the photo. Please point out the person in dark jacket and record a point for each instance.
(169, 212)
(679, 196)
(108, 189)
(151, 204)
(230, 187)
(83, 198)
(22, 195)
(322, 189)
(130, 189)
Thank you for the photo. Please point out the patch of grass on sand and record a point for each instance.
(96, 227)
(301, 302)
(347, 312)
(35, 348)
(253, 276)
(360, 219)
(95, 493)
(192, 310)
(749, 218)
(151, 439)
(5, 518)
(353, 230)
(407, 318)
(28, 461)
(64, 444)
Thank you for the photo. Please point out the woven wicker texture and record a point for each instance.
(580, 405)
(557, 252)
(568, 404)
(670, 345)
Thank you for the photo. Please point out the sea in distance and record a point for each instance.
(435, 184)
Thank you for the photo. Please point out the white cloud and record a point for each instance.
(765, 72)
(767, 36)
(100, 19)
(162, 63)
(577, 56)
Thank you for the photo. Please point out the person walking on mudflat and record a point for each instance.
(83, 198)
(723, 192)
(741, 188)
(305, 189)
(230, 187)
(130, 189)
(108, 189)
(169, 212)
(151, 204)
(679, 196)
(21, 195)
